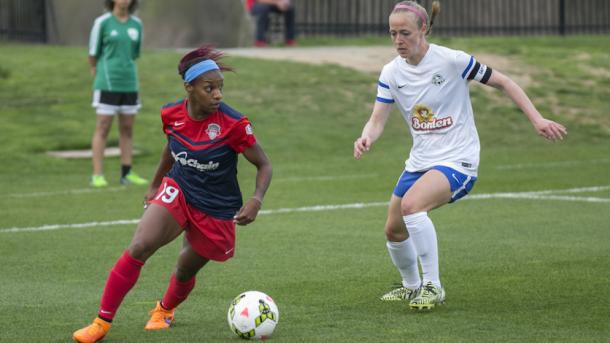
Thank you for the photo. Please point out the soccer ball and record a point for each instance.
(253, 315)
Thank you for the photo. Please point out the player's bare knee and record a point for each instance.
(141, 250)
(408, 206)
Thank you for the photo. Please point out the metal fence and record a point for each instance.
(26, 20)
(458, 17)
(23, 20)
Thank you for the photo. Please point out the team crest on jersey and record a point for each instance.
(132, 33)
(213, 130)
(249, 129)
(438, 79)
(423, 119)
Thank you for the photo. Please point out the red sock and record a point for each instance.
(122, 277)
(177, 292)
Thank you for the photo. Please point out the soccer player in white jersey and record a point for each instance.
(429, 84)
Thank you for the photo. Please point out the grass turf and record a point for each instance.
(514, 269)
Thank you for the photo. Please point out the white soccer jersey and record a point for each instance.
(435, 101)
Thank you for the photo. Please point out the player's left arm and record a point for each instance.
(544, 127)
(255, 155)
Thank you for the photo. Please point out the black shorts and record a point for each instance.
(111, 103)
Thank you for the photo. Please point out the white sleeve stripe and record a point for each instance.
(95, 31)
(95, 35)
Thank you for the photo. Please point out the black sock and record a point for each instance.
(125, 170)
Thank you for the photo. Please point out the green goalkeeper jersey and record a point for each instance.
(116, 46)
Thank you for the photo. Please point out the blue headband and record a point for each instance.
(197, 69)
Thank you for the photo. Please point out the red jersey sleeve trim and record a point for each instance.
(242, 136)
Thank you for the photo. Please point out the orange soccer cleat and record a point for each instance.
(160, 318)
(92, 333)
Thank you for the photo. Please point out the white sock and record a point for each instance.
(405, 259)
(422, 233)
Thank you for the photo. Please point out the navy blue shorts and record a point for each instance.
(460, 183)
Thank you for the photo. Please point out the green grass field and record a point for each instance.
(518, 267)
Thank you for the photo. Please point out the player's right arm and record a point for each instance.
(373, 128)
(92, 65)
(95, 43)
(165, 164)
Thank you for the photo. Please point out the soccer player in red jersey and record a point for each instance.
(195, 190)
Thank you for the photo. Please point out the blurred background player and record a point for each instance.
(194, 190)
(261, 9)
(429, 84)
(114, 45)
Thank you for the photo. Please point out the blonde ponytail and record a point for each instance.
(436, 9)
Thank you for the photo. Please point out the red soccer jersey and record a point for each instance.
(205, 154)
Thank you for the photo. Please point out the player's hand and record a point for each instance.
(550, 130)
(248, 212)
(150, 194)
(361, 145)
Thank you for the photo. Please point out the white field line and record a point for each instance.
(538, 195)
(551, 164)
(550, 191)
(70, 226)
(323, 178)
(119, 189)
(66, 192)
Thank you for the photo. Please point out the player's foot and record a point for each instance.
(160, 318)
(98, 181)
(400, 293)
(92, 333)
(133, 179)
(427, 297)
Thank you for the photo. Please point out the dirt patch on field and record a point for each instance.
(367, 59)
(371, 59)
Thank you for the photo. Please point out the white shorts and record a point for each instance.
(111, 103)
